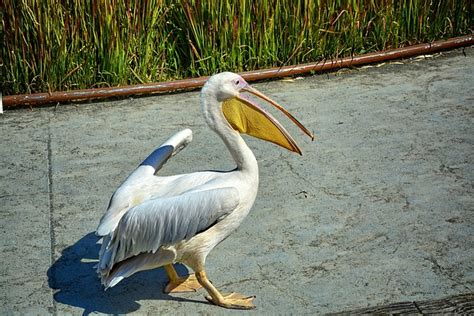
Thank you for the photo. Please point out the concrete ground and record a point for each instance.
(379, 209)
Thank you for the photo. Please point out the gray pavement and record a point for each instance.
(379, 209)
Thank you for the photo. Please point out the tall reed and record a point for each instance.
(68, 44)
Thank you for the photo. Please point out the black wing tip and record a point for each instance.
(158, 157)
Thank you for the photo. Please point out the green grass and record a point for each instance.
(70, 44)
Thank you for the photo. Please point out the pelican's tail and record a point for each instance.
(141, 262)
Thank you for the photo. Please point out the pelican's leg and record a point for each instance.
(179, 284)
(233, 300)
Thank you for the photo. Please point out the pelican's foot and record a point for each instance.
(234, 300)
(182, 285)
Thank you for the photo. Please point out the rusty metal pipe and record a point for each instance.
(193, 83)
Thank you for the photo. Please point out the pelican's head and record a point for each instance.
(244, 115)
(226, 85)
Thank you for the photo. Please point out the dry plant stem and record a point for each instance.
(56, 45)
(327, 65)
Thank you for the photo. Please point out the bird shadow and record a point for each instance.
(75, 282)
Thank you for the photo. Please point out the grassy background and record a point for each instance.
(70, 44)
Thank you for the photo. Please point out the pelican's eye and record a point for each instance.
(237, 82)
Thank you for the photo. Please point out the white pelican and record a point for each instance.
(155, 221)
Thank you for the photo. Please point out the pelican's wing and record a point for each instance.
(169, 148)
(164, 222)
(141, 183)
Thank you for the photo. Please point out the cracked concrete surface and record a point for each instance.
(379, 209)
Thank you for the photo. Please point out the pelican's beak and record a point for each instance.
(247, 117)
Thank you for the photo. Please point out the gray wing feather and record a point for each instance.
(122, 199)
(166, 221)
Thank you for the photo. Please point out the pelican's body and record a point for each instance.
(155, 221)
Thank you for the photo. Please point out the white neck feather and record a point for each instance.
(241, 153)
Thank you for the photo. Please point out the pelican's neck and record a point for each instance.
(241, 153)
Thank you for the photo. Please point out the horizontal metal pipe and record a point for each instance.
(193, 83)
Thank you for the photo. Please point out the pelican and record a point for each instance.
(155, 221)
